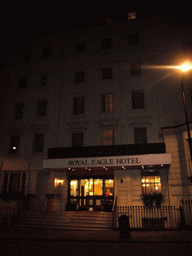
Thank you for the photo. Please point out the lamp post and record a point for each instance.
(185, 67)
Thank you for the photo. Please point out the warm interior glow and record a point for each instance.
(58, 182)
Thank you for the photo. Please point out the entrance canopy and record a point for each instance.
(114, 162)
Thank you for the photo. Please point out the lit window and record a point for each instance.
(14, 144)
(107, 102)
(151, 184)
(107, 137)
(131, 15)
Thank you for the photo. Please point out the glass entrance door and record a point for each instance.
(91, 193)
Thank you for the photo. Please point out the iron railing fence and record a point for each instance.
(187, 211)
(141, 217)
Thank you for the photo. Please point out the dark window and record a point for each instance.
(43, 80)
(19, 110)
(14, 182)
(79, 76)
(133, 39)
(135, 70)
(14, 144)
(140, 135)
(79, 105)
(107, 102)
(27, 54)
(107, 73)
(81, 47)
(22, 83)
(138, 100)
(38, 143)
(106, 43)
(47, 52)
(42, 108)
(77, 139)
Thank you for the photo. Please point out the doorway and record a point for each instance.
(92, 194)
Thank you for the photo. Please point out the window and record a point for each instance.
(107, 73)
(14, 144)
(81, 47)
(14, 182)
(135, 70)
(140, 135)
(27, 55)
(47, 52)
(151, 182)
(107, 102)
(38, 145)
(106, 43)
(79, 76)
(138, 100)
(19, 110)
(22, 83)
(42, 108)
(133, 39)
(131, 15)
(107, 137)
(43, 80)
(79, 105)
(77, 139)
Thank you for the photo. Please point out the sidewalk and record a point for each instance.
(175, 236)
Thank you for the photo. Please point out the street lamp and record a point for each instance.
(185, 67)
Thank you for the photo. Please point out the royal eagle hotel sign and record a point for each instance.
(112, 161)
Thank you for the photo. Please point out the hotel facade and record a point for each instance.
(96, 115)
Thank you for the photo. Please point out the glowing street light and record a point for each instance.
(185, 67)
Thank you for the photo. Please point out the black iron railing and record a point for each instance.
(141, 217)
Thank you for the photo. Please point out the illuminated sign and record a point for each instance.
(139, 160)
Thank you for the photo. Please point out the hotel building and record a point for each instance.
(96, 114)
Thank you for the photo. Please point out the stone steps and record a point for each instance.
(65, 220)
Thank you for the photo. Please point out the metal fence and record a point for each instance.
(141, 217)
(187, 211)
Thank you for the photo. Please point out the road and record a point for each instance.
(31, 248)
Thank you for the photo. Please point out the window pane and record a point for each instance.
(14, 145)
(79, 105)
(107, 137)
(140, 135)
(22, 83)
(138, 100)
(19, 110)
(42, 108)
(74, 188)
(98, 187)
(43, 80)
(77, 139)
(84, 187)
(107, 73)
(38, 143)
(107, 102)
(109, 184)
(151, 184)
(80, 76)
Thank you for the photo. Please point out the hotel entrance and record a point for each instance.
(92, 194)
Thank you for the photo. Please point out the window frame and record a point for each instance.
(14, 144)
(140, 139)
(106, 104)
(107, 73)
(107, 140)
(22, 83)
(79, 105)
(19, 109)
(146, 175)
(41, 108)
(38, 146)
(79, 76)
(74, 140)
(138, 99)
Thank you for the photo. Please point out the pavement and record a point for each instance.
(109, 235)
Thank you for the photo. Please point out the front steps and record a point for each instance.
(85, 221)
